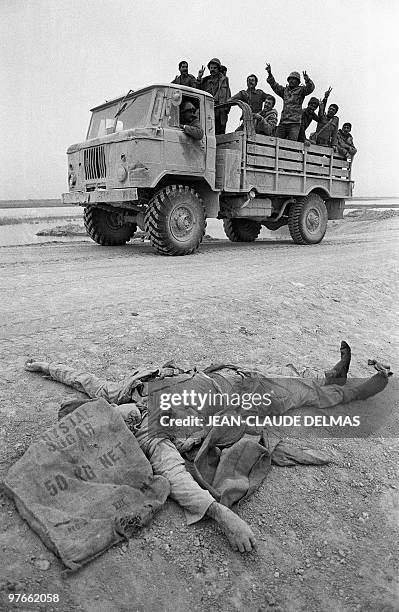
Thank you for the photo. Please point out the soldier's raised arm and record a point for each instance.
(309, 85)
(199, 77)
(323, 102)
(278, 89)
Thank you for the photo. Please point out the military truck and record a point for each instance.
(138, 168)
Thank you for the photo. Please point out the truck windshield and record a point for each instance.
(133, 113)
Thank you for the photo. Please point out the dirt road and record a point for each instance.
(327, 535)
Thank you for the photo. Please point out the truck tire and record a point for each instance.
(106, 228)
(241, 230)
(307, 220)
(175, 220)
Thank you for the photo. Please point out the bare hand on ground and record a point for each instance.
(34, 365)
(238, 533)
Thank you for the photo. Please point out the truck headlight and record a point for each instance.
(71, 177)
(121, 173)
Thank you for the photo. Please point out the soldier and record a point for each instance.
(345, 146)
(218, 85)
(252, 96)
(189, 122)
(327, 124)
(223, 71)
(266, 120)
(308, 115)
(184, 78)
(293, 96)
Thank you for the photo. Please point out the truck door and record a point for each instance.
(183, 154)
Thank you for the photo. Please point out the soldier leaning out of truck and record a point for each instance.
(252, 96)
(293, 96)
(184, 78)
(189, 122)
(218, 86)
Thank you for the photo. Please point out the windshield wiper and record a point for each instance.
(123, 104)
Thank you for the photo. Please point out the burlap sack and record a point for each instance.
(86, 484)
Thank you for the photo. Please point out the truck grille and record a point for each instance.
(94, 163)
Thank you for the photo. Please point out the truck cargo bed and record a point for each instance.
(274, 166)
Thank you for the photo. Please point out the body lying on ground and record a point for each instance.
(130, 399)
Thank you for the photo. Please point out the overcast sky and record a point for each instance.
(59, 59)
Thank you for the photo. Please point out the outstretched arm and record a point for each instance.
(166, 461)
(91, 385)
(238, 96)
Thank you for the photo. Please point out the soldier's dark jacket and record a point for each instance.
(327, 128)
(188, 80)
(218, 86)
(254, 98)
(308, 115)
(293, 99)
(345, 144)
(194, 130)
(266, 122)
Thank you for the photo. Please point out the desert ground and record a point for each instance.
(327, 535)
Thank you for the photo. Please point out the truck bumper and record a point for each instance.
(81, 198)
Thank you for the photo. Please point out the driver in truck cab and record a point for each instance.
(189, 122)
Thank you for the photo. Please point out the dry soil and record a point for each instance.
(327, 535)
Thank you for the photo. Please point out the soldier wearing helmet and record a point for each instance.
(293, 96)
(217, 84)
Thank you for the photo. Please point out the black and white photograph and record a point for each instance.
(199, 223)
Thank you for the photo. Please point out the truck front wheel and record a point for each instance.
(107, 228)
(241, 230)
(307, 220)
(175, 220)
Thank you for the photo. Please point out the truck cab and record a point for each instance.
(135, 141)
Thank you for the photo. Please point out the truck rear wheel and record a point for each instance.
(175, 220)
(107, 228)
(307, 220)
(241, 230)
